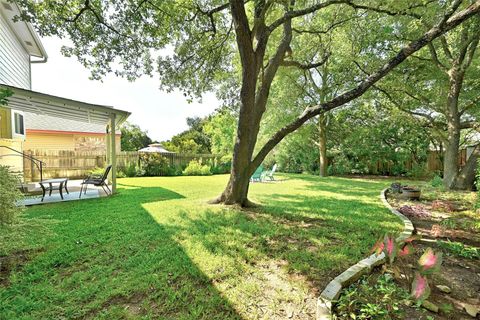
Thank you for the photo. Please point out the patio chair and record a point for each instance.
(269, 173)
(257, 175)
(97, 181)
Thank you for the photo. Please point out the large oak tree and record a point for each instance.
(194, 42)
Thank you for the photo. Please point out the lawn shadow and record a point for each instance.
(317, 236)
(108, 258)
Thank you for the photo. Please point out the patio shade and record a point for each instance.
(40, 103)
(45, 104)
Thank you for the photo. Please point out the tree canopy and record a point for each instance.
(133, 137)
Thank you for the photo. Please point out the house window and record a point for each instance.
(18, 124)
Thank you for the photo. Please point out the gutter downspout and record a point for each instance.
(44, 60)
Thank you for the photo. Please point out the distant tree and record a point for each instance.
(192, 141)
(133, 138)
(221, 129)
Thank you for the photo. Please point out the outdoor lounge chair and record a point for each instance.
(257, 175)
(97, 181)
(269, 173)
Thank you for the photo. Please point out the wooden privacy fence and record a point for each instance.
(78, 164)
(433, 163)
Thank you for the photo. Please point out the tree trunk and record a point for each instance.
(452, 145)
(322, 144)
(466, 178)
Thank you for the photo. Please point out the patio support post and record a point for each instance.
(113, 153)
(107, 147)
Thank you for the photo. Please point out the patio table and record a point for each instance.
(50, 186)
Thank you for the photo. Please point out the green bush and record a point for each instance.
(9, 195)
(196, 168)
(222, 165)
(154, 164)
(130, 170)
(436, 181)
(418, 171)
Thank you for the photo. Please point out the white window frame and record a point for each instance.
(14, 134)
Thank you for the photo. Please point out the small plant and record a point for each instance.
(436, 181)
(130, 170)
(196, 168)
(428, 263)
(449, 223)
(9, 195)
(460, 249)
(372, 298)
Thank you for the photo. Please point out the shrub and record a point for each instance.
(436, 181)
(418, 170)
(340, 166)
(195, 168)
(9, 195)
(222, 165)
(154, 164)
(130, 170)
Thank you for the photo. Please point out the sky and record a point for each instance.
(162, 114)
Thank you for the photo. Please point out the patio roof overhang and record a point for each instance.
(41, 103)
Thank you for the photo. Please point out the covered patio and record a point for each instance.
(43, 104)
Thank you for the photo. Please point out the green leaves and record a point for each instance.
(9, 195)
(4, 94)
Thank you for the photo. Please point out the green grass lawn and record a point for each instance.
(157, 250)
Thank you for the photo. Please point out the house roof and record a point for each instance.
(39, 103)
(41, 122)
(23, 30)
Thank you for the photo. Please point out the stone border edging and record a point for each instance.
(352, 274)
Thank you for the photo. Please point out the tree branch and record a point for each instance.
(436, 61)
(322, 5)
(299, 65)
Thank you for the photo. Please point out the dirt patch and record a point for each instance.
(281, 298)
(132, 305)
(14, 262)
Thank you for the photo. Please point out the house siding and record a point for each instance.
(14, 59)
(68, 142)
(10, 158)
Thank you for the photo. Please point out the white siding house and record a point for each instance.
(14, 59)
(18, 45)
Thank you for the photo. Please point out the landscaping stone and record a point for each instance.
(471, 310)
(332, 291)
(352, 274)
(430, 306)
(444, 289)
